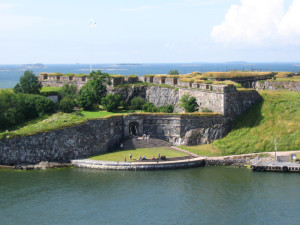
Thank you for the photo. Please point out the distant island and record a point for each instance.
(34, 66)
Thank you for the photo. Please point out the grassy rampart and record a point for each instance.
(277, 116)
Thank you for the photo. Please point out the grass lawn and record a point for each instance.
(148, 152)
(102, 113)
(50, 89)
(203, 150)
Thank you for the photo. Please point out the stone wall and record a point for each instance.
(224, 100)
(103, 135)
(277, 85)
(90, 138)
(180, 129)
(237, 103)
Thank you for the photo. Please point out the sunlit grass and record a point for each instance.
(148, 152)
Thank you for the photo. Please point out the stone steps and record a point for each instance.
(133, 143)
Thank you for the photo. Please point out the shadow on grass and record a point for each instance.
(251, 118)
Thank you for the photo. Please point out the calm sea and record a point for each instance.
(10, 74)
(211, 195)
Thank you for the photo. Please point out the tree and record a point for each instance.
(66, 105)
(111, 102)
(173, 72)
(93, 91)
(69, 91)
(137, 103)
(29, 83)
(189, 104)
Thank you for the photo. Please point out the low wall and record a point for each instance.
(90, 138)
(277, 85)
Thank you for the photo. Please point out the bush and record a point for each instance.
(111, 102)
(137, 103)
(166, 109)
(18, 108)
(149, 107)
(189, 104)
(66, 105)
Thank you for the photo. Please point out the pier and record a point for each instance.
(276, 167)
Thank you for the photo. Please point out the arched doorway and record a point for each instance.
(134, 128)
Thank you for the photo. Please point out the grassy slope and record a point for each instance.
(277, 116)
(148, 152)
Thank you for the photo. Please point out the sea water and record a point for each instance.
(210, 195)
(10, 74)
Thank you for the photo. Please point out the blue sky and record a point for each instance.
(144, 31)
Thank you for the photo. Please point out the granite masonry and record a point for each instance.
(104, 135)
(277, 85)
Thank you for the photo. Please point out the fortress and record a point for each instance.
(219, 102)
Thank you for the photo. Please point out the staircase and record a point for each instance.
(134, 143)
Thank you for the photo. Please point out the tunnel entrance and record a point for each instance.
(134, 128)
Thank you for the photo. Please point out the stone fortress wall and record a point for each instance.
(104, 135)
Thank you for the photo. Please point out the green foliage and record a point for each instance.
(66, 105)
(206, 110)
(137, 103)
(29, 83)
(111, 102)
(68, 91)
(18, 108)
(149, 107)
(93, 91)
(173, 72)
(166, 109)
(189, 104)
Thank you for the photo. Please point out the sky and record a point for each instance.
(149, 31)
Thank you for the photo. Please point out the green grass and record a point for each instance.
(277, 116)
(203, 150)
(99, 114)
(48, 123)
(254, 131)
(50, 89)
(294, 79)
(148, 152)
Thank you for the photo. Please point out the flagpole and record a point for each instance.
(92, 24)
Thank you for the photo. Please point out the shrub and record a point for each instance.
(149, 107)
(189, 104)
(166, 109)
(111, 102)
(137, 103)
(66, 105)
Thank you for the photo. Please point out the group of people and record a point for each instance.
(146, 137)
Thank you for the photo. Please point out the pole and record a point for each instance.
(90, 47)
(275, 147)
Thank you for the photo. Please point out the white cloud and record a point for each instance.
(259, 22)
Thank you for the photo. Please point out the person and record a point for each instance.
(140, 158)
(148, 137)
(125, 158)
(121, 145)
(159, 155)
(130, 155)
(153, 157)
(144, 157)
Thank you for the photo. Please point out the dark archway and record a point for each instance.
(134, 128)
